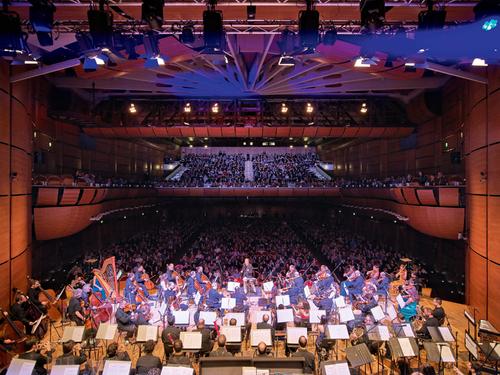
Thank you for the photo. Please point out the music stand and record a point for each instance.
(359, 355)
(403, 330)
(403, 347)
(74, 333)
(439, 353)
(283, 300)
(492, 351)
(209, 317)
(181, 318)
(240, 318)
(379, 333)
(65, 370)
(191, 341)
(335, 368)
(146, 333)
(116, 367)
(441, 334)
(284, 316)
(336, 332)
(21, 366)
(228, 303)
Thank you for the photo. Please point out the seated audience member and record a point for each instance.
(438, 311)
(169, 335)
(221, 350)
(309, 365)
(178, 357)
(71, 354)
(147, 361)
(116, 353)
(261, 350)
(34, 353)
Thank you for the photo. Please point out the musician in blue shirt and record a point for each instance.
(130, 289)
(214, 298)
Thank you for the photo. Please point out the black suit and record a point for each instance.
(220, 352)
(147, 362)
(75, 306)
(41, 361)
(309, 364)
(439, 314)
(179, 359)
(430, 322)
(168, 336)
(70, 359)
(206, 340)
(124, 321)
(19, 312)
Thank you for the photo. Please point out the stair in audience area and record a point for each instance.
(249, 171)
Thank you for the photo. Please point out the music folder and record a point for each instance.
(268, 286)
(337, 332)
(191, 340)
(65, 370)
(335, 368)
(181, 317)
(232, 285)
(316, 315)
(232, 333)
(106, 331)
(346, 314)
(283, 300)
(441, 334)
(21, 367)
(293, 334)
(74, 333)
(258, 335)
(116, 367)
(209, 316)
(439, 352)
(378, 313)
(146, 333)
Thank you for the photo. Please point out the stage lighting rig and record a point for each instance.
(251, 12)
(372, 14)
(100, 25)
(152, 13)
(213, 29)
(187, 34)
(309, 26)
(152, 52)
(486, 8)
(42, 20)
(12, 38)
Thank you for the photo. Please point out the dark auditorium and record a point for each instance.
(249, 187)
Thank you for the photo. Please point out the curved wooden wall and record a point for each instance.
(482, 156)
(63, 211)
(16, 108)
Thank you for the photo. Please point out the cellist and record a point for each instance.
(19, 311)
(34, 293)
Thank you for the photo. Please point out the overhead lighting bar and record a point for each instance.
(286, 61)
(42, 20)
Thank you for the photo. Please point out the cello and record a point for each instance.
(13, 330)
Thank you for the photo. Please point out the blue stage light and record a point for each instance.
(490, 24)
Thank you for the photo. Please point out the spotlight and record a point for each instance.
(490, 24)
(152, 52)
(372, 14)
(251, 143)
(284, 108)
(306, 146)
(154, 62)
(205, 146)
(330, 37)
(287, 42)
(286, 61)
(410, 67)
(101, 26)
(479, 62)
(187, 108)
(309, 108)
(91, 63)
(132, 108)
(190, 146)
(309, 26)
(42, 20)
(364, 108)
(187, 35)
(291, 146)
(251, 12)
(152, 13)
(215, 108)
(213, 28)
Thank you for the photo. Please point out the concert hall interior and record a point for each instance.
(249, 187)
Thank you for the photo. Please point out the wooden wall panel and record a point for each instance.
(448, 197)
(477, 282)
(494, 293)
(475, 164)
(4, 229)
(494, 229)
(426, 197)
(21, 224)
(493, 176)
(4, 168)
(477, 133)
(5, 292)
(21, 267)
(476, 209)
(494, 116)
(21, 165)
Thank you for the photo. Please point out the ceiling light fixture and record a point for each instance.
(284, 108)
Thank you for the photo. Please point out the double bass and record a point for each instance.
(14, 331)
(49, 298)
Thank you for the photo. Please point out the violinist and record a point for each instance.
(34, 293)
(124, 319)
(75, 309)
(354, 283)
(40, 353)
(374, 273)
(190, 284)
(324, 279)
(130, 290)
(383, 284)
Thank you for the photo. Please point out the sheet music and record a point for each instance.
(495, 347)
(232, 285)
(391, 311)
(337, 331)
(315, 315)
(283, 300)
(21, 367)
(293, 334)
(401, 301)
(181, 317)
(74, 333)
(408, 330)
(406, 347)
(209, 317)
(346, 314)
(471, 345)
(106, 331)
(340, 301)
(446, 353)
(233, 334)
(384, 333)
(176, 370)
(260, 335)
(307, 291)
(146, 333)
(116, 367)
(191, 340)
(240, 318)
(378, 313)
(256, 317)
(228, 303)
(337, 369)
(268, 286)
(446, 334)
(65, 370)
(284, 316)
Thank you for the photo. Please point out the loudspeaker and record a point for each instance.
(455, 157)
